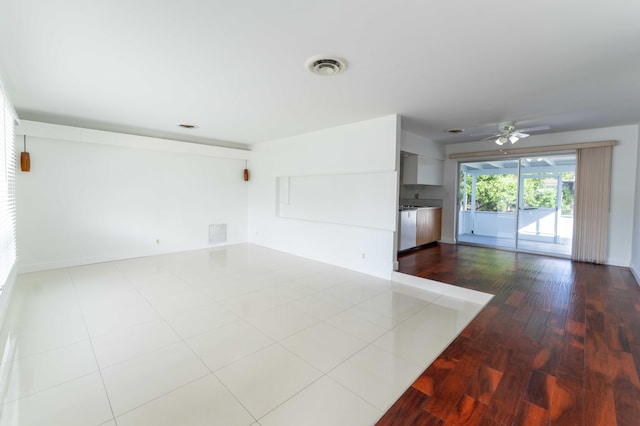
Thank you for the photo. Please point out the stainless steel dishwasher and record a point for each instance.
(407, 228)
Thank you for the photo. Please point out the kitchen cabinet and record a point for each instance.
(418, 226)
(428, 225)
(422, 170)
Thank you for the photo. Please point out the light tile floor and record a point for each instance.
(239, 335)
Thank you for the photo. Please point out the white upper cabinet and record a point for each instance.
(422, 170)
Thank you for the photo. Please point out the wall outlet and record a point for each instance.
(157, 241)
(364, 256)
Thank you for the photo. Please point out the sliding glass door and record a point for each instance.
(520, 204)
(489, 197)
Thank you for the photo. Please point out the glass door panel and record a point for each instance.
(538, 208)
(545, 211)
(488, 197)
(524, 204)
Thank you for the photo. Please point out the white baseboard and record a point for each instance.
(617, 262)
(636, 274)
(378, 269)
(69, 263)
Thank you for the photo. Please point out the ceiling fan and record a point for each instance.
(507, 132)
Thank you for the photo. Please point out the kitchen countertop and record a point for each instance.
(403, 208)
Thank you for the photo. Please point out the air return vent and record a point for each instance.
(218, 233)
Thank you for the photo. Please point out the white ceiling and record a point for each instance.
(236, 68)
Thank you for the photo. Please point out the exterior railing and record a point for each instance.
(534, 224)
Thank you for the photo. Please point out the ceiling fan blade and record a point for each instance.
(533, 129)
(494, 136)
(520, 135)
(481, 133)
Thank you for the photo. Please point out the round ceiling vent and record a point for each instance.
(326, 65)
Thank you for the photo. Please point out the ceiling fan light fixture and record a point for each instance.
(507, 132)
(501, 140)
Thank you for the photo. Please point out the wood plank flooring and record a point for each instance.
(559, 344)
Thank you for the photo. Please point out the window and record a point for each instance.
(7, 189)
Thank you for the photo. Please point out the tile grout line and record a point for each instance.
(160, 396)
(323, 375)
(254, 352)
(326, 374)
(48, 388)
(181, 340)
(214, 374)
(104, 386)
(203, 363)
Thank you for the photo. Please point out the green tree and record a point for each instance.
(568, 180)
(540, 192)
(496, 193)
(499, 192)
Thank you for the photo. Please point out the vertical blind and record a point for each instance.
(592, 193)
(7, 188)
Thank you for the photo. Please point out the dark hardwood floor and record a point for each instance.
(559, 344)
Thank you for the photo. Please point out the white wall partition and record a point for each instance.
(350, 201)
(95, 196)
(623, 181)
(368, 147)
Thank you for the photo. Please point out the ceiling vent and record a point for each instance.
(326, 65)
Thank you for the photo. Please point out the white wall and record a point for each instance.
(623, 181)
(364, 147)
(95, 196)
(420, 145)
(635, 252)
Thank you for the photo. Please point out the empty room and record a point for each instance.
(340, 213)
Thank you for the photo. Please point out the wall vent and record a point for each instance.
(218, 233)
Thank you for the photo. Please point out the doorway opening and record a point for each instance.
(523, 204)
